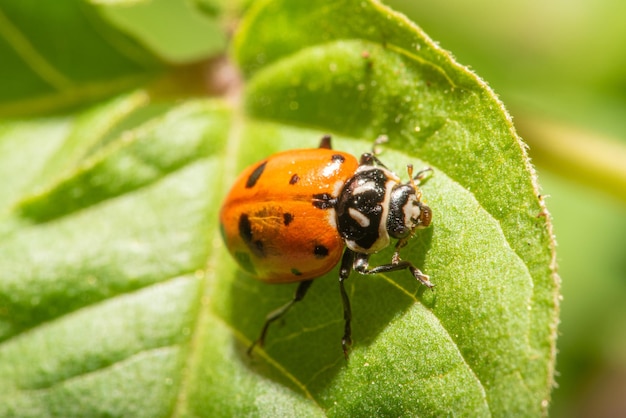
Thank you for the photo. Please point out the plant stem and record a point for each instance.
(583, 156)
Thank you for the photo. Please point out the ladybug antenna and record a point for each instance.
(409, 170)
(416, 180)
(422, 174)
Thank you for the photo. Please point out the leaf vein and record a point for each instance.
(42, 67)
(118, 363)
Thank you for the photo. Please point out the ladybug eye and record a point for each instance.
(426, 215)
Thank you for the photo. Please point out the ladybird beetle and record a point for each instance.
(290, 217)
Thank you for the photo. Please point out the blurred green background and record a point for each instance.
(560, 68)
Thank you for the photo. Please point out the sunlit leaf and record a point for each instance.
(117, 297)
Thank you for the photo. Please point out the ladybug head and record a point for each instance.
(406, 211)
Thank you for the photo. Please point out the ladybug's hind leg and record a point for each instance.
(278, 313)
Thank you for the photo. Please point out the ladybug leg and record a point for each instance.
(371, 158)
(382, 139)
(278, 313)
(325, 142)
(395, 259)
(361, 265)
(344, 272)
(423, 174)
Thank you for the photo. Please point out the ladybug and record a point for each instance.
(295, 215)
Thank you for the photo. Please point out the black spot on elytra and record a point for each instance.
(320, 251)
(296, 272)
(256, 174)
(287, 218)
(294, 179)
(338, 158)
(245, 229)
(245, 232)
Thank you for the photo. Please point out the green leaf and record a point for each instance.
(491, 251)
(48, 70)
(117, 297)
(99, 295)
(64, 53)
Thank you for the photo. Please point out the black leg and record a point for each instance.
(361, 266)
(371, 159)
(421, 175)
(278, 313)
(344, 272)
(401, 265)
(325, 142)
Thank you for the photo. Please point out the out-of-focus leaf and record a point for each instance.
(175, 31)
(67, 52)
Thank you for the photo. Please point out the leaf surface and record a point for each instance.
(496, 289)
(117, 297)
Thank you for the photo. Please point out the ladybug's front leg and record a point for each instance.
(395, 258)
(361, 265)
(344, 272)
